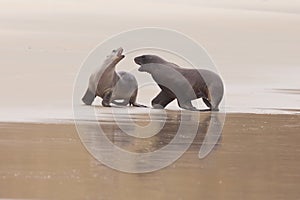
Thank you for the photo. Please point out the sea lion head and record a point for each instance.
(115, 56)
(146, 59)
(153, 68)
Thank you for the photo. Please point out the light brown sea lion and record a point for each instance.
(182, 84)
(112, 86)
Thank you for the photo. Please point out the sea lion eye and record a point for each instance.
(114, 51)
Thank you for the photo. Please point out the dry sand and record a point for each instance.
(256, 158)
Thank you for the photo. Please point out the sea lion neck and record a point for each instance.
(157, 69)
(114, 62)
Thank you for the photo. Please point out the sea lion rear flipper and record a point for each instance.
(88, 97)
(139, 105)
(132, 100)
(204, 110)
(207, 103)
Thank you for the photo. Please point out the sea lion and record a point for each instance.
(182, 84)
(112, 86)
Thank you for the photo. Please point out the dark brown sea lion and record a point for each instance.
(120, 88)
(182, 84)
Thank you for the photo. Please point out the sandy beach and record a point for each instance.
(44, 45)
(257, 157)
(255, 48)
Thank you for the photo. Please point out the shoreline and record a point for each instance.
(70, 120)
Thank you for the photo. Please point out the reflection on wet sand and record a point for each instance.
(130, 137)
(126, 145)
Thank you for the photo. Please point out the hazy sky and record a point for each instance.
(141, 6)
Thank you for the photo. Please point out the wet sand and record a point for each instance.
(257, 157)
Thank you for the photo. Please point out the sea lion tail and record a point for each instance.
(88, 97)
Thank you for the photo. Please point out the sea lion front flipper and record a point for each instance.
(88, 97)
(162, 100)
(107, 98)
